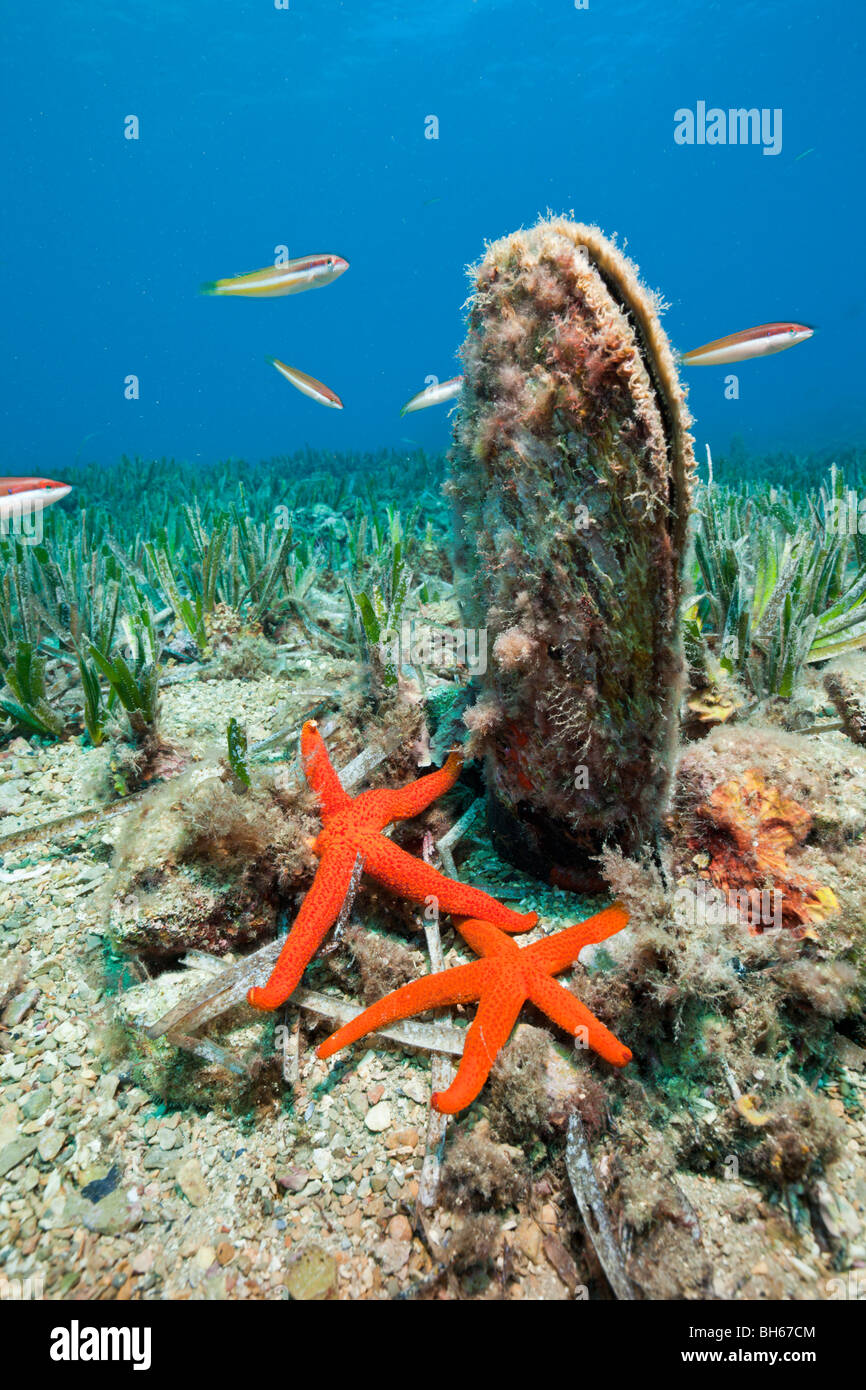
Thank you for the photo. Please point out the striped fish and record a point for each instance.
(434, 395)
(762, 341)
(29, 494)
(306, 273)
(316, 390)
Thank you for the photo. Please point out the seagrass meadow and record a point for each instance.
(161, 649)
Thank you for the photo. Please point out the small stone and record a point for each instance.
(402, 1138)
(15, 1153)
(142, 1262)
(414, 1088)
(50, 1144)
(36, 1103)
(98, 1183)
(225, 1252)
(323, 1161)
(9, 1122)
(528, 1238)
(375, 1093)
(399, 1228)
(378, 1117)
(166, 1138)
(114, 1215)
(392, 1255)
(191, 1182)
(312, 1276)
(378, 1182)
(18, 1008)
(156, 1160)
(293, 1180)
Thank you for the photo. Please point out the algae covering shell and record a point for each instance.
(570, 472)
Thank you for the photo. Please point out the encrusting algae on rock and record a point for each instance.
(570, 471)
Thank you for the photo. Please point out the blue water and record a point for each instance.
(304, 127)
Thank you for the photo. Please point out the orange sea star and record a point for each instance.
(352, 826)
(502, 981)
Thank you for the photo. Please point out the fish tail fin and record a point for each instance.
(270, 359)
(209, 287)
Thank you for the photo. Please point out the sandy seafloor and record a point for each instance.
(108, 1194)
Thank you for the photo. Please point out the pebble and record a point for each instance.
(18, 1008)
(399, 1228)
(8, 1124)
(50, 1144)
(292, 1180)
(378, 1117)
(156, 1159)
(528, 1238)
(312, 1276)
(392, 1255)
(191, 1182)
(15, 1153)
(36, 1104)
(415, 1089)
(402, 1138)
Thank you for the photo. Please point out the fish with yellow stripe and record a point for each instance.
(763, 341)
(292, 277)
(316, 390)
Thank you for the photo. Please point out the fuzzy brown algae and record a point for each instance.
(570, 474)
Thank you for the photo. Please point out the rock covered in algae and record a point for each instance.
(570, 472)
(204, 865)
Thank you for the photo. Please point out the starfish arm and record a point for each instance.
(403, 802)
(560, 1005)
(459, 985)
(414, 879)
(484, 938)
(487, 1034)
(319, 911)
(562, 949)
(319, 771)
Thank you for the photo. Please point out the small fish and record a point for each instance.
(26, 494)
(308, 384)
(762, 341)
(306, 273)
(434, 395)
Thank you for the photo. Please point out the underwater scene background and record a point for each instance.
(305, 127)
(451, 665)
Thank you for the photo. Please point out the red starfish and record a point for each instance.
(352, 826)
(501, 982)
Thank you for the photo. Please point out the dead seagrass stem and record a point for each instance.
(441, 1073)
(570, 472)
(589, 1198)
